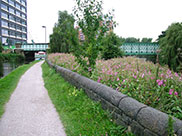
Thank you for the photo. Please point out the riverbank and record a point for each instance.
(12, 58)
(78, 113)
(9, 83)
(30, 110)
(8, 62)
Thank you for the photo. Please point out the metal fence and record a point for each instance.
(140, 48)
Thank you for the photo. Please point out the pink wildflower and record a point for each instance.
(99, 79)
(171, 91)
(176, 93)
(160, 82)
(115, 73)
(176, 74)
(89, 69)
(143, 75)
(118, 79)
(134, 76)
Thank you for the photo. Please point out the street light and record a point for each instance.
(45, 32)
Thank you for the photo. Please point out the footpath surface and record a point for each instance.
(30, 111)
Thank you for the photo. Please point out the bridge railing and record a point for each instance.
(34, 47)
(140, 48)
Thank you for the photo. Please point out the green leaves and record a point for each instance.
(64, 34)
(93, 24)
(170, 42)
(111, 48)
(1, 48)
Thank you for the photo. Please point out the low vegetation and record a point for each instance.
(79, 114)
(149, 83)
(12, 58)
(9, 83)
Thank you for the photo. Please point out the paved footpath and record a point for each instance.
(30, 111)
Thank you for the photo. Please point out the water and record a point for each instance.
(6, 68)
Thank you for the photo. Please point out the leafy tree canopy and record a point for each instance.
(94, 24)
(111, 47)
(1, 47)
(132, 40)
(64, 34)
(171, 47)
(146, 40)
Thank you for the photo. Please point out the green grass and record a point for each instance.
(9, 83)
(79, 114)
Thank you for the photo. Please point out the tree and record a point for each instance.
(111, 47)
(1, 47)
(64, 34)
(94, 24)
(132, 40)
(171, 46)
(146, 40)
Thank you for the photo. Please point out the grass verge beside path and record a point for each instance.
(79, 114)
(9, 83)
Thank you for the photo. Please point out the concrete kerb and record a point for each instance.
(146, 120)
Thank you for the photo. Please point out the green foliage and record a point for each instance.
(1, 68)
(9, 83)
(170, 46)
(154, 85)
(132, 40)
(79, 114)
(1, 47)
(64, 35)
(170, 126)
(12, 58)
(111, 44)
(136, 40)
(94, 24)
(146, 40)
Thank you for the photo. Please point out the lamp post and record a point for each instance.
(45, 32)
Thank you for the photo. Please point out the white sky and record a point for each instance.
(136, 18)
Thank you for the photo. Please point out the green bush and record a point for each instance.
(170, 45)
(1, 48)
(111, 44)
(12, 58)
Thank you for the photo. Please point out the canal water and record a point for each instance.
(6, 68)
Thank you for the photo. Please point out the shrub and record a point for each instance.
(111, 44)
(170, 45)
(149, 83)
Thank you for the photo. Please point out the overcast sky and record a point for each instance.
(136, 18)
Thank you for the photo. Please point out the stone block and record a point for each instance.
(93, 95)
(154, 120)
(177, 124)
(137, 129)
(149, 133)
(50, 64)
(110, 94)
(124, 118)
(130, 107)
(88, 83)
(179, 132)
(121, 123)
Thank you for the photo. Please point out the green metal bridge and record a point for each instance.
(128, 48)
(29, 47)
(140, 48)
(35, 47)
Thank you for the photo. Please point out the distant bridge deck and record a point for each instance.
(29, 47)
(35, 47)
(140, 48)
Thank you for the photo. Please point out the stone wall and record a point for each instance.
(141, 119)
